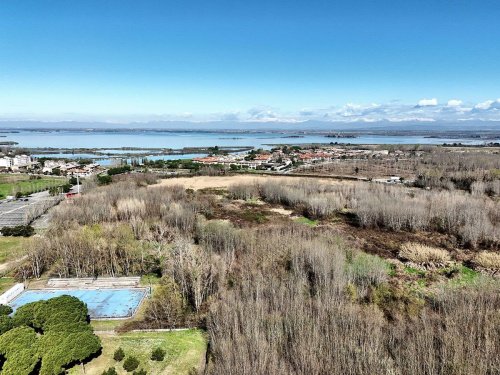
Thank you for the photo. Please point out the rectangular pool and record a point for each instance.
(102, 303)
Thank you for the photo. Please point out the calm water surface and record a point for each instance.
(177, 140)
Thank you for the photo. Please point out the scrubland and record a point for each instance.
(294, 293)
(471, 169)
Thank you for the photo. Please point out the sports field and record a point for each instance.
(10, 184)
(102, 303)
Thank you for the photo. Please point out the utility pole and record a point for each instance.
(78, 184)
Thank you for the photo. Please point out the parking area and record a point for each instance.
(23, 211)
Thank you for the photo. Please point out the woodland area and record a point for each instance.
(475, 170)
(277, 296)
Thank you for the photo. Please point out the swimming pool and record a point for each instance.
(102, 303)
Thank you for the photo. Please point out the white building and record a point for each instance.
(22, 160)
(6, 162)
(16, 162)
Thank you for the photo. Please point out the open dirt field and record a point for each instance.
(205, 182)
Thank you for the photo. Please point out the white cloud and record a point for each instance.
(428, 102)
(426, 110)
(484, 105)
(488, 105)
(454, 103)
(453, 110)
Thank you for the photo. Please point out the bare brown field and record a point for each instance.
(223, 182)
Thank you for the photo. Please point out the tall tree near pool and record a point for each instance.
(52, 334)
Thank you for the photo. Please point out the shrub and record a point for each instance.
(130, 364)
(5, 310)
(119, 354)
(167, 307)
(244, 191)
(488, 260)
(421, 254)
(366, 269)
(119, 170)
(139, 372)
(110, 371)
(104, 179)
(158, 354)
(18, 231)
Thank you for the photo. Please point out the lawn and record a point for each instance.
(185, 350)
(106, 324)
(10, 184)
(11, 248)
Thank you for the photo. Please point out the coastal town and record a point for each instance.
(58, 167)
(285, 159)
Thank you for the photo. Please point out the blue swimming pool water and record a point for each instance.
(102, 303)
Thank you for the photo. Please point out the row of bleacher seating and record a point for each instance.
(89, 282)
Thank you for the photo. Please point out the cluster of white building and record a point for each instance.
(25, 162)
(70, 168)
(278, 159)
(236, 160)
(16, 162)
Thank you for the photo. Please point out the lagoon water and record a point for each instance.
(181, 139)
(117, 158)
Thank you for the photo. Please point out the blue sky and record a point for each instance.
(262, 60)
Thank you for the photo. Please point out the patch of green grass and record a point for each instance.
(11, 184)
(391, 269)
(106, 325)
(414, 271)
(184, 350)
(306, 221)
(11, 248)
(465, 275)
(6, 283)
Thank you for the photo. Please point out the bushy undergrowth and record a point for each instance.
(488, 260)
(474, 220)
(422, 254)
(283, 298)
